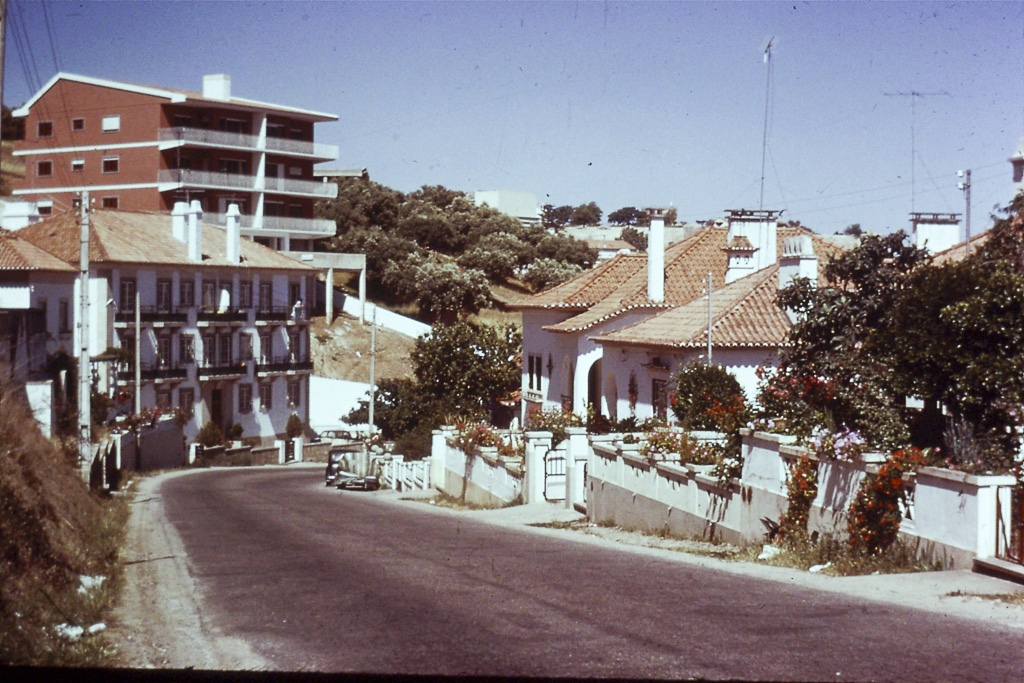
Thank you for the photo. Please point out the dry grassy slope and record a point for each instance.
(51, 530)
(342, 351)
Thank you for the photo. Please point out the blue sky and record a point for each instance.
(625, 104)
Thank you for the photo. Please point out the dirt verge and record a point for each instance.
(159, 622)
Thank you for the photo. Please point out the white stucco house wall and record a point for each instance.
(222, 328)
(642, 316)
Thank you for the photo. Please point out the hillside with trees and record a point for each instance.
(435, 249)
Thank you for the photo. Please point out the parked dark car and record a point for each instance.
(335, 465)
(359, 483)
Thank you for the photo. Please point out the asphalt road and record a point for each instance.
(315, 579)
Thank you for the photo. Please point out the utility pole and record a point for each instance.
(966, 187)
(373, 356)
(913, 95)
(138, 351)
(709, 317)
(84, 366)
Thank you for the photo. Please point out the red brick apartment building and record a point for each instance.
(140, 148)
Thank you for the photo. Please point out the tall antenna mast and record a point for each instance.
(913, 95)
(767, 91)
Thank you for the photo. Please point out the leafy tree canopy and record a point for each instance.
(634, 237)
(586, 214)
(628, 215)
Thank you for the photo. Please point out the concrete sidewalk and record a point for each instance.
(956, 593)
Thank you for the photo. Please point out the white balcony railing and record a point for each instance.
(232, 181)
(321, 227)
(217, 138)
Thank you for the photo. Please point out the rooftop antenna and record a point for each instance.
(913, 95)
(767, 90)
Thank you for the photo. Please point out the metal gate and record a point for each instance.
(554, 475)
(1010, 524)
(289, 450)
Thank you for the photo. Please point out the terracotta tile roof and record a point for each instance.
(145, 238)
(18, 254)
(743, 313)
(589, 287)
(620, 284)
(958, 252)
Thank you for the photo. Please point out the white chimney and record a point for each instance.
(178, 221)
(798, 260)
(217, 87)
(195, 231)
(233, 248)
(656, 256)
(935, 231)
(759, 227)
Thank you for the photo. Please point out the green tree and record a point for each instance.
(586, 214)
(834, 368)
(471, 366)
(442, 290)
(556, 217)
(546, 272)
(955, 337)
(381, 249)
(361, 204)
(634, 237)
(627, 215)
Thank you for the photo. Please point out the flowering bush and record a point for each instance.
(663, 443)
(874, 519)
(708, 397)
(148, 417)
(555, 421)
(471, 438)
(802, 488)
(843, 445)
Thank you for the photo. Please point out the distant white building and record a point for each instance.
(16, 214)
(519, 205)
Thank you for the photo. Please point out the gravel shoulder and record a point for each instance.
(159, 622)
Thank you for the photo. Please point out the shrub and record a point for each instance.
(708, 397)
(235, 432)
(294, 427)
(802, 488)
(875, 514)
(210, 435)
(555, 421)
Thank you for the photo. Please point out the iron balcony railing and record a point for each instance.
(220, 367)
(184, 177)
(152, 314)
(218, 138)
(287, 363)
(153, 371)
(229, 315)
